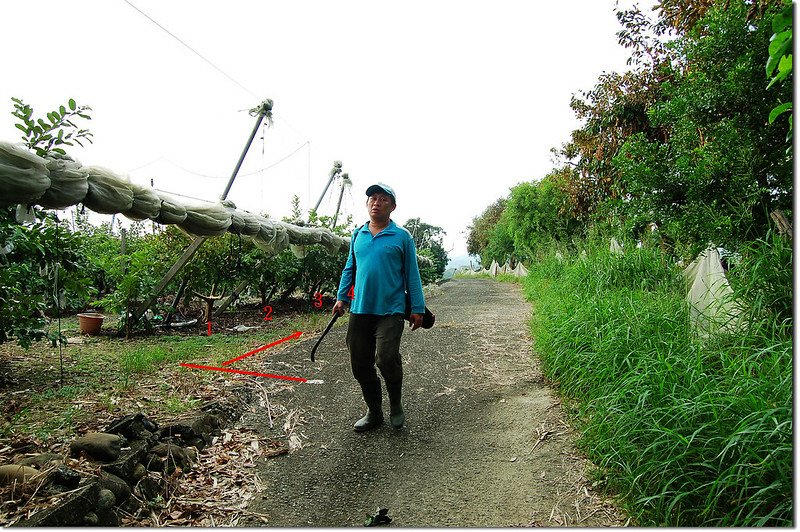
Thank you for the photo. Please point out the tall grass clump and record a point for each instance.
(690, 430)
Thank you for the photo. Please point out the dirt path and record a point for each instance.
(485, 442)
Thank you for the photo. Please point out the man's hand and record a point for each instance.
(338, 308)
(415, 321)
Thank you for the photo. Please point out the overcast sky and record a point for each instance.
(449, 102)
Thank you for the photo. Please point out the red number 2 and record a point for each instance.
(268, 316)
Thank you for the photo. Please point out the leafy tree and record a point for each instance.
(537, 214)
(41, 263)
(428, 240)
(780, 60)
(44, 136)
(422, 233)
(40, 273)
(130, 277)
(613, 111)
(500, 245)
(482, 226)
(721, 170)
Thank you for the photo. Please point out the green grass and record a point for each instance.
(690, 431)
(109, 376)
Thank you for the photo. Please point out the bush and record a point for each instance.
(32, 258)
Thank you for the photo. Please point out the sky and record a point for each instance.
(451, 103)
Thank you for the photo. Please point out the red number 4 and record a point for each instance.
(351, 294)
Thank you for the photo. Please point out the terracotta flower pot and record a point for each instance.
(90, 323)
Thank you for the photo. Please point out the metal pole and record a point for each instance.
(345, 181)
(265, 109)
(333, 176)
(232, 297)
(336, 170)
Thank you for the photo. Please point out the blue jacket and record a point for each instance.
(386, 265)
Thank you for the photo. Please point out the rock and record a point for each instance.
(125, 466)
(106, 499)
(98, 445)
(116, 485)
(139, 471)
(88, 506)
(167, 457)
(133, 427)
(41, 460)
(67, 477)
(197, 431)
(148, 489)
(16, 473)
(70, 512)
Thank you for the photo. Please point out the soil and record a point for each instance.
(486, 442)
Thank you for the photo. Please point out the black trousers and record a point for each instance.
(375, 340)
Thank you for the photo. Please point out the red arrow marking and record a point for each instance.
(242, 372)
(263, 347)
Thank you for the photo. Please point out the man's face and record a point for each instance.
(380, 206)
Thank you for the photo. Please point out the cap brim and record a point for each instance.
(375, 189)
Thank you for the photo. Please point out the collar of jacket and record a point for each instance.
(389, 229)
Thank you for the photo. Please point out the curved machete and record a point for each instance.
(328, 328)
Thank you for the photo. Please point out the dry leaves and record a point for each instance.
(218, 489)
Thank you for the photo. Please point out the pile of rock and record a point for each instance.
(131, 462)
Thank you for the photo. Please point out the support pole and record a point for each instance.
(263, 110)
(345, 182)
(233, 296)
(336, 170)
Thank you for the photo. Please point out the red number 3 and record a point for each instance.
(317, 300)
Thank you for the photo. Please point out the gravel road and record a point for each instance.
(486, 443)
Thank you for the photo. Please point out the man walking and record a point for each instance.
(381, 267)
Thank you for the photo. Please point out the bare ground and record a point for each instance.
(486, 443)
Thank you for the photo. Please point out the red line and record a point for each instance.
(242, 372)
(263, 347)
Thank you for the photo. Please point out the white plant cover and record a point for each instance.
(616, 249)
(108, 192)
(24, 176)
(212, 219)
(710, 296)
(146, 203)
(171, 212)
(245, 222)
(520, 270)
(69, 182)
(298, 250)
(494, 268)
(301, 235)
(59, 181)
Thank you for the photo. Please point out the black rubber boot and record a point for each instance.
(396, 415)
(374, 417)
